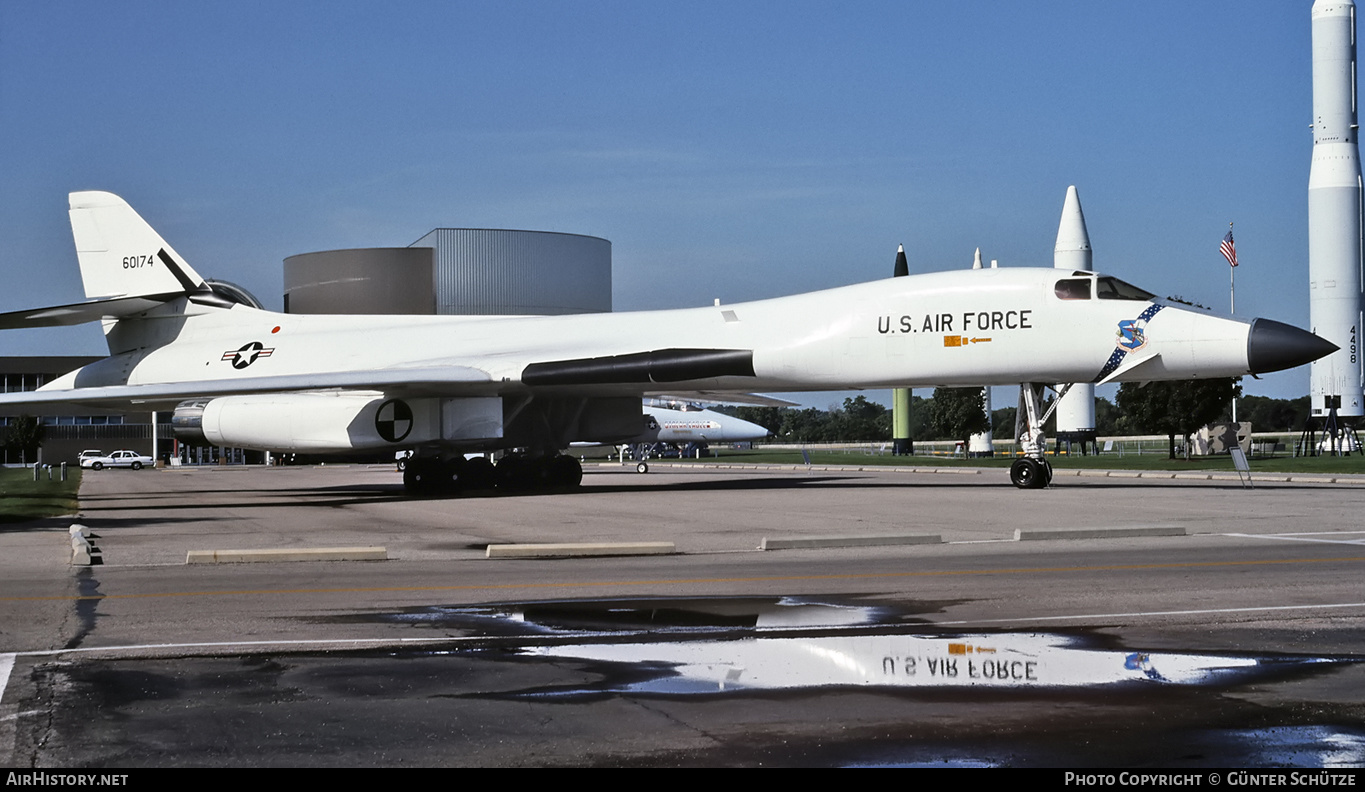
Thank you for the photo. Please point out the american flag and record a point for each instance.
(1228, 249)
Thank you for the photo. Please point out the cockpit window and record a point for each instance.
(1073, 289)
(1115, 289)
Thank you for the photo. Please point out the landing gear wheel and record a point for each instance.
(643, 467)
(480, 474)
(1029, 473)
(434, 477)
(513, 473)
(565, 472)
(451, 476)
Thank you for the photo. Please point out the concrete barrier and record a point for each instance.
(798, 542)
(565, 550)
(84, 552)
(1034, 534)
(287, 554)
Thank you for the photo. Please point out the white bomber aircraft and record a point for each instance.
(445, 385)
(686, 423)
(680, 421)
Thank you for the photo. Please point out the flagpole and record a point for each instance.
(1232, 297)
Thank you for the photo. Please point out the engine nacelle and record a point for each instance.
(336, 422)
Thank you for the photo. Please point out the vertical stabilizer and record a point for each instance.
(121, 255)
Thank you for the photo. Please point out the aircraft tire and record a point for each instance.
(452, 476)
(565, 472)
(1028, 473)
(540, 473)
(423, 477)
(643, 467)
(480, 474)
(513, 473)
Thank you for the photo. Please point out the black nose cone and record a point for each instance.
(1274, 346)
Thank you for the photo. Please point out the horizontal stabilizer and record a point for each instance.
(435, 380)
(82, 312)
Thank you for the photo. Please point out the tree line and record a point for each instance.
(1175, 409)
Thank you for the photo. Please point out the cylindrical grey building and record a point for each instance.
(457, 271)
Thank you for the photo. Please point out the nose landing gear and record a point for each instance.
(1033, 471)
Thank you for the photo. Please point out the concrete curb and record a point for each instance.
(1035, 534)
(84, 552)
(289, 554)
(566, 550)
(1345, 479)
(794, 542)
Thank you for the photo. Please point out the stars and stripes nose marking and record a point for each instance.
(241, 358)
(393, 421)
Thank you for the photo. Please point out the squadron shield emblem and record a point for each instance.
(393, 420)
(1131, 335)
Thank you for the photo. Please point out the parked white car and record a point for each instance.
(128, 459)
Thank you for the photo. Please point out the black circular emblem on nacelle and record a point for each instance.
(393, 421)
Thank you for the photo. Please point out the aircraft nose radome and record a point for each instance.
(1272, 346)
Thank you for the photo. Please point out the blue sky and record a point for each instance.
(736, 150)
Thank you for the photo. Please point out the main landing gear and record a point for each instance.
(1033, 471)
(431, 476)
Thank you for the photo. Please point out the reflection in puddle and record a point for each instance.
(1001, 661)
(689, 616)
(754, 644)
(1303, 746)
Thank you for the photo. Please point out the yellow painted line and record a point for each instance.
(693, 581)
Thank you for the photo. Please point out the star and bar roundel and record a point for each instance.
(393, 420)
(241, 358)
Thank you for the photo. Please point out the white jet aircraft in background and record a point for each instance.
(690, 426)
(446, 385)
(680, 422)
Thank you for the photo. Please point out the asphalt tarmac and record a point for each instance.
(1238, 644)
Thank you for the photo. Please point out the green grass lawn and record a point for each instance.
(1111, 461)
(23, 499)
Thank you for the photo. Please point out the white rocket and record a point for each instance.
(1076, 411)
(1334, 211)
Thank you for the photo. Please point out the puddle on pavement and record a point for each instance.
(717, 646)
(1318, 746)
